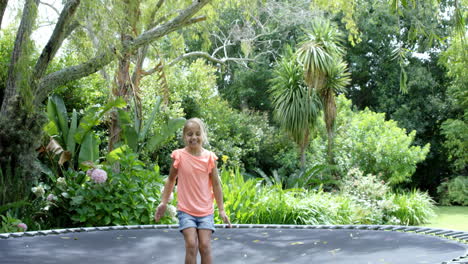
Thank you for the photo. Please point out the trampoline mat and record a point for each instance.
(236, 245)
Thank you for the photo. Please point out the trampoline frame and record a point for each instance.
(458, 236)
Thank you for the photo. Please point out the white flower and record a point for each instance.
(61, 181)
(38, 191)
(171, 210)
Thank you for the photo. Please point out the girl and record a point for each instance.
(198, 181)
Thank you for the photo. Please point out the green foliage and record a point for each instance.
(295, 106)
(457, 141)
(454, 129)
(370, 194)
(454, 191)
(240, 195)
(73, 137)
(414, 208)
(364, 200)
(7, 39)
(367, 141)
(313, 177)
(128, 197)
(9, 224)
(235, 134)
(376, 75)
(137, 139)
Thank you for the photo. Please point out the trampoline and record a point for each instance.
(360, 244)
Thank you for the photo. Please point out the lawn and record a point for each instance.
(450, 217)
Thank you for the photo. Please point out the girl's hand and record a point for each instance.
(225, 218)
(159, 212)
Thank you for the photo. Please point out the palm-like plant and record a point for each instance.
(324, 71)
(296, 108)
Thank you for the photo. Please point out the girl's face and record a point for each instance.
(193, 136)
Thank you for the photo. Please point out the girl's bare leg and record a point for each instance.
(191, 245)
(204, 245)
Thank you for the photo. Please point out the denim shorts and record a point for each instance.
(186, 221)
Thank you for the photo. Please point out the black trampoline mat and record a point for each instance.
(236, 245)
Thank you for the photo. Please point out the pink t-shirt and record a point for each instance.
(194, 186)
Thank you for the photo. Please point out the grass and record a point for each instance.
(450, 217)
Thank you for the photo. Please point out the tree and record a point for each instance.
(324, 71)
(294, 106)
(28, 86)
(376, 74)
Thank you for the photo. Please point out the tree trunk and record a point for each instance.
(303, 146)
(330, 116)
(18, 60)
(3, 5)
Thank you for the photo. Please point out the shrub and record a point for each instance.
(369, 193)
(454, 191)
(127, 197)
(364, 139)
(367, 202)
(414, 208)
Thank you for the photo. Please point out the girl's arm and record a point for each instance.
(168, 187)
(218, 194)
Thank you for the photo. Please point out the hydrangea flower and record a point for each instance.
(171, 210)
(97, 175)
(51, 197)
(22, 226)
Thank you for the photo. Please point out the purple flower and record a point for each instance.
(22, 226)
(98, 175)
(51, 197)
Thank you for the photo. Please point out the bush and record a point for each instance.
(414, 208)
(369, 193)
(128, 197)
(369, 201)
(454, 191)
(364, 139)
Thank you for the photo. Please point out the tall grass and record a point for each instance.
(414, 208)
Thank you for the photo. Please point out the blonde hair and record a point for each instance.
(202, 126)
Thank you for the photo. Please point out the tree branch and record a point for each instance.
(49, 82)
(51, 6)
(61, 31)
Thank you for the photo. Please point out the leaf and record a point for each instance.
(54, 147)
(297, 243)
(57, 113)
(89, 150)
(167, 131)
(115, 154)
(71, 143)
(129, 133)
(64, 157)
(403, 81)
(94, 116)
(150, 121)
